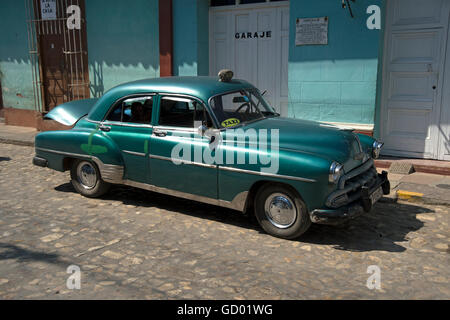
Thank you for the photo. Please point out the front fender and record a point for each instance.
(313, 167)
(366, 142)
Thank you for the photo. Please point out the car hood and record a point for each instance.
(317, 138)
(70, 112)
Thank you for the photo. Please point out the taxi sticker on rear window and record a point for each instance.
(231, 122)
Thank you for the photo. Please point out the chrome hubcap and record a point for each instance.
(280, 210)
(86, 174)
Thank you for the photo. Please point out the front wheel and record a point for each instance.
(86, 179)
(281, 212)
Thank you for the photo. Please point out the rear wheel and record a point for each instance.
(281, 212)
(86, 179)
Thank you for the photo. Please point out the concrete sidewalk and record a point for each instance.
(23, 136)
(419, 187)
(416, 187)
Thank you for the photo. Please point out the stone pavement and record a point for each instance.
(135, 244)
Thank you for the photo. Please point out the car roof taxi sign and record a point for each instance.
(225, 75)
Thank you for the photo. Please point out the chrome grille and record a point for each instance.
(350, 184)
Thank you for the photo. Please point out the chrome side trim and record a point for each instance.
(64, 153)
(126, 124)
(154, 156)
(176, 129)
(110, 172)
(265, 174)
(205, 165)
(92, 121)
(141, 154)
(238, 203)
(198, 164)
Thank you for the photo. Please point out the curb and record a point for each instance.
(409, 195)
(417, 197)
(17, 142)
(433, 169)
(389, 198)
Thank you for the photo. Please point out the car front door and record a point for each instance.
(177, 148)
(128, 123)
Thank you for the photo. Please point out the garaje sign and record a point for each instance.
(253, 35)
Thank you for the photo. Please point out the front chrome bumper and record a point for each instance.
(356, 208)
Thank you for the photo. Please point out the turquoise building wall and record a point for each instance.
(190, 37)
(15, 65)
(123, 45)
(335, 82)
(123, 42)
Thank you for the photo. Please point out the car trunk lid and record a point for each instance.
(70, 112)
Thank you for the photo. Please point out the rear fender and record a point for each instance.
(59, 146)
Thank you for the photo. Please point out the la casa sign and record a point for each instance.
(253, 35)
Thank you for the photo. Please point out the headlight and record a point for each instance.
(376, 148)
(336, 171)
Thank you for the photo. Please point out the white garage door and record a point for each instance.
(253, 41)
(413, 110)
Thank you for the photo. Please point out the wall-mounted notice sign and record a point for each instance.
(48, 9)
(311, 31)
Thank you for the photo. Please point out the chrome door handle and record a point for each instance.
(159, 133)
(105, 128)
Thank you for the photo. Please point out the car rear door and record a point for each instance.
(128, 123)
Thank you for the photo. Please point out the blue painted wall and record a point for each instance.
(15, 67)
(123, 42)
(335, 82)
(190, 37)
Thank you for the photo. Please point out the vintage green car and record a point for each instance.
(217, 141)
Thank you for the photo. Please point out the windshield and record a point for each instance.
(232, 109)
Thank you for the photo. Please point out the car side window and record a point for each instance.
(182, 112)
(133, 110)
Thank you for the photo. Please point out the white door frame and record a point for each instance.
(440, 98)
(231, 57)
(444, 125)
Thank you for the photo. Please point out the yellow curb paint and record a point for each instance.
(408, 195)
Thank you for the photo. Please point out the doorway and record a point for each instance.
(59, 53)
(253, 41)
(415, 108)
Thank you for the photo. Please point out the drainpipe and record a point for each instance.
(165, 38)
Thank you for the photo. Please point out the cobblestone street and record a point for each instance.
(134, 244)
